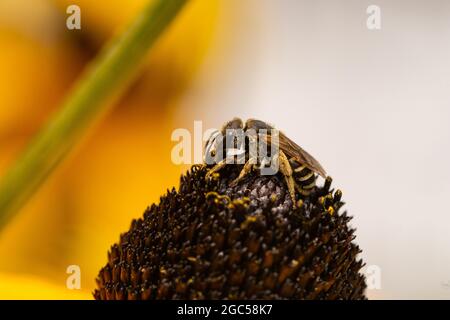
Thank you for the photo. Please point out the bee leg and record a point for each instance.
(248, 166)
(302, 191)
(286, 170)
(219, 166)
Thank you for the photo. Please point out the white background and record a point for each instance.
(372, 106)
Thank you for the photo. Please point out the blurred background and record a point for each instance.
(372, 105)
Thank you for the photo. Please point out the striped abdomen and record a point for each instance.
(304, 177)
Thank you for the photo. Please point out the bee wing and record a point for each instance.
(293, 150)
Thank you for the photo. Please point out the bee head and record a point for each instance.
(214, 147)
(234, 124)
(257, 125)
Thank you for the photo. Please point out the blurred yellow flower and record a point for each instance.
(122, 166)
(36, 69)
(13, 287)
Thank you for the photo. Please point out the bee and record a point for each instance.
(298, 167)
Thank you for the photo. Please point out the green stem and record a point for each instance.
(105, 79)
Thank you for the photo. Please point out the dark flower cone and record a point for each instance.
(213, 241)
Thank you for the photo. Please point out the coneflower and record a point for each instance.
(212, 241)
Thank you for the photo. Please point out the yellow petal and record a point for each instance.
(37, 65)
(121, 168)
(28, 287)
